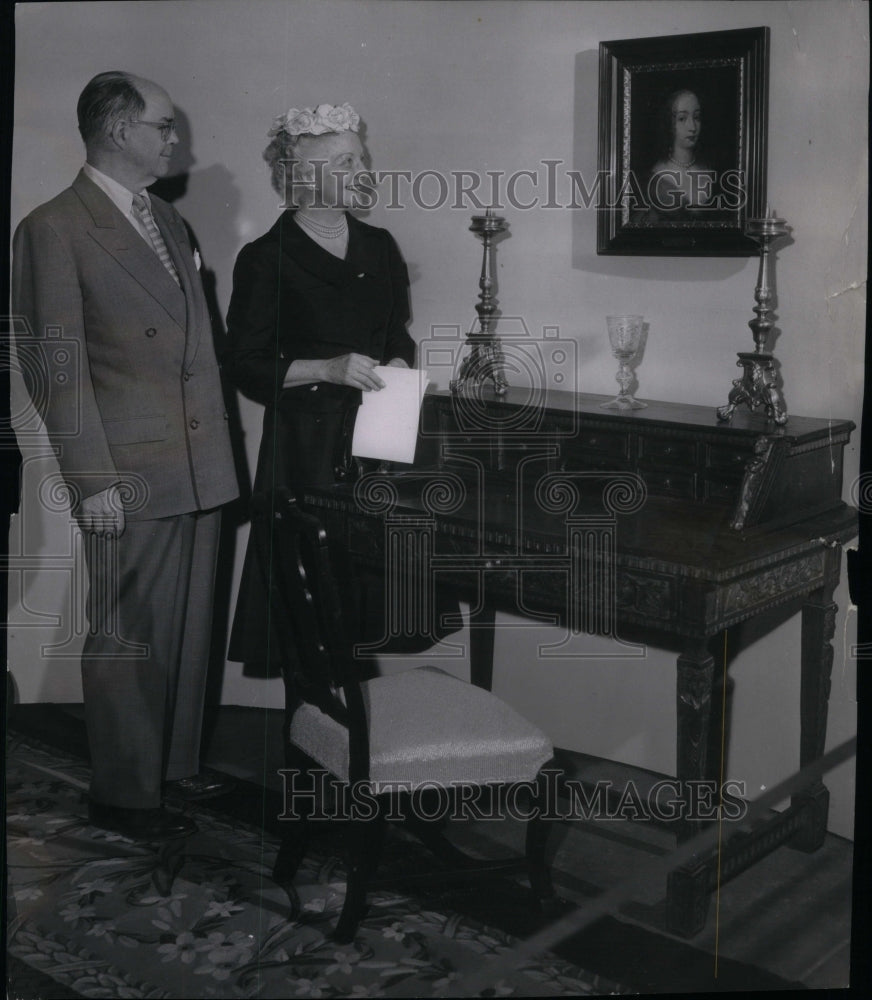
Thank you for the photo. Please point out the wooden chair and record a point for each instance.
(399, 737)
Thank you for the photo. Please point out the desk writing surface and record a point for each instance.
(679, 536)
(675, 566)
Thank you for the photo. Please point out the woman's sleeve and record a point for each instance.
(399, 343)
(253, 360)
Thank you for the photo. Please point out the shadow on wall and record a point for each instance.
(212, 198)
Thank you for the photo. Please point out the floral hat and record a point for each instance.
(316, 121)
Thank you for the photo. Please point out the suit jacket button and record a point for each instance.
(195, 424)
(150, 332)
(187, 376)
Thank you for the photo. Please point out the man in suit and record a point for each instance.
(108, 274)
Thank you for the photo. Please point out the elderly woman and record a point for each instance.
(318, 301)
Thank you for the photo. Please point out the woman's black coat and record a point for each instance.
(294, 300)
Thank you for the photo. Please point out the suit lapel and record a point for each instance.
(118, 238)
(178, 243)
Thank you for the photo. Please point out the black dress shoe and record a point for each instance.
(140, 824)
(205, 785)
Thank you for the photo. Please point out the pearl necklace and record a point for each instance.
(336, 232)
(682, 166)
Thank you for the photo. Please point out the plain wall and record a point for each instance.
(493, 86)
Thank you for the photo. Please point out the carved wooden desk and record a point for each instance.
(660, 520)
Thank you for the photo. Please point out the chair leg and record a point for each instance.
(540, 878)
(365, 843)
(536, 838)
(303, 796)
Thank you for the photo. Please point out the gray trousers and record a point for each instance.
(146, 656)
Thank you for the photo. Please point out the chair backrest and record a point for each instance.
(305, 611)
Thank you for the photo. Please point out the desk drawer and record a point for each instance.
(722, 490)
(612, 443)
(731, 461)
(596, 449)
(668, 451)
(669, 483)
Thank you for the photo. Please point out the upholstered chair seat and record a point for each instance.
(426, 727)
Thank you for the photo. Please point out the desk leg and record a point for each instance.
(818, 628)
(687, 893)
(481, 646)
(695, 684)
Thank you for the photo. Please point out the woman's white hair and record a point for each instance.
(281, 155)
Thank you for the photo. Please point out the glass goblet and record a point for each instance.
(625, 335)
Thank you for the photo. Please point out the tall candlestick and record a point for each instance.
(485, 358)
(757, 385)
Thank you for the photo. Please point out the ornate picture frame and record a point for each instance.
(682, 143)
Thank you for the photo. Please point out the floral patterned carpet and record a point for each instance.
(102, 916)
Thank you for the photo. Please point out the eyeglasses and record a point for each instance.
(166, 128)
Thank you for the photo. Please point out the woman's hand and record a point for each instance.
(355, 370)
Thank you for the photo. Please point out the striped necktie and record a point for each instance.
(143, 211)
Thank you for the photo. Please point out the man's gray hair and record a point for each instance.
(105, 99)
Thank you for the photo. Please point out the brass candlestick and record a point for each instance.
(757, 386)
(485, 358)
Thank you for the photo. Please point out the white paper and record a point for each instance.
(387, 421)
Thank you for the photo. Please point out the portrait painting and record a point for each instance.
(682, 140)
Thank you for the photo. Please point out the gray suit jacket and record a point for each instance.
(122, 365)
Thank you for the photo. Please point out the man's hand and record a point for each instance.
(102, 513)
(397, 363)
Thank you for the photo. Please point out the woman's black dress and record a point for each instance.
(294, 300)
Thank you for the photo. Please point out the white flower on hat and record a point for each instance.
(316, 121)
